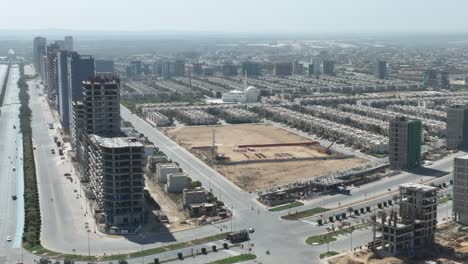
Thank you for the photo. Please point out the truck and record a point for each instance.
(238, 237)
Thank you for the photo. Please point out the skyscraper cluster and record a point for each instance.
(88, 103)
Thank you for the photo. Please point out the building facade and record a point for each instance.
(460, 189)
(250, 68)
(381, 69)
(410, 230)
(404, 143)
(328, 67)
(39, 50)
(283, 69)
(457, 127)
(115, 171)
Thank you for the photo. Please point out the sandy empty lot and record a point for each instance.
(232, 135)
(255, 176)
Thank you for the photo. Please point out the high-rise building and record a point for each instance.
(436, 79)
(79, 69)
(229, 70)
(137, 69)
(411, 229)
(457, 127)
(310, 69)
(251, 68)
(39, 50)
(317, 67)
(104, 66)
(381, 69)
(197, 68)
(179, 66)
(60, 44)
(101, 99)
(283, 68)
(62, 93)
(115, 173)
(404, 145)
(68, 43)
(52, 70)
(328, 67)
(460, 189)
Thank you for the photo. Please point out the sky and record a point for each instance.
(262, 16)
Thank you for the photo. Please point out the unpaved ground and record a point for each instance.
(232, 135)
(261, 175)
(363, 257)
(176, 216)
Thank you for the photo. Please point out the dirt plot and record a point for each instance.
(261, 175)
(264, 174)
(232, 135)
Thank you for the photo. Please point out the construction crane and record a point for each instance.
(328, 149)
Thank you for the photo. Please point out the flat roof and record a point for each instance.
(464, 157)
(418, 186)
(116, 142)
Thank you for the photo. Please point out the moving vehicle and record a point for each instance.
(14, 197)
(251, 230)
(8, 238)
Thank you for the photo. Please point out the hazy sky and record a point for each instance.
(342, 16)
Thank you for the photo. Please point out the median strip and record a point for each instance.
(286, 206)
(305, 213)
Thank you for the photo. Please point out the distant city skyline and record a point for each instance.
(266, 16)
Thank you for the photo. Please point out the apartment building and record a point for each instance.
(405, 136)
(412, 228)
(457, 127)
(460, 189)
(115, 171)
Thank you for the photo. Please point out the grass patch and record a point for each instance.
(321, 239)
(331, 236)
(235, 259)
(305, 213)
(41, 251)
(328, 254)
(285, 207)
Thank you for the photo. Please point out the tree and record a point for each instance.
(122, 261)
(45, 261)
(68, 261)
(350, 210)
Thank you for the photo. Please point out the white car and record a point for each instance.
(251, 230)
(8, 238)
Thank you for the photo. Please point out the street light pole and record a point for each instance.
(89, 248)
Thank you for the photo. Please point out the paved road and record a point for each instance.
(64, 215)
(10, 169)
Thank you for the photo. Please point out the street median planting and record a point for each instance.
(305, 213)
(286, 206)
(328, 254)
(39, 250)
(235, 259)
(32, 219)
(331, 236)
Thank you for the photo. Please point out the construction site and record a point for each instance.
(258, 156)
